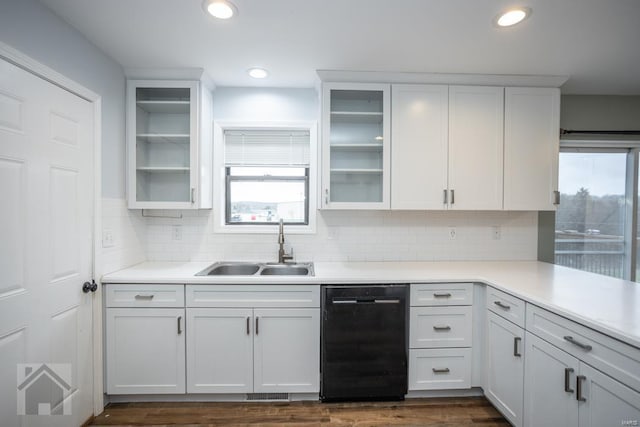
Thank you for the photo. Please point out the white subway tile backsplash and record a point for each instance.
(355, 236)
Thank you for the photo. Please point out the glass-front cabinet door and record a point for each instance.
(356, 138)
(162, 143)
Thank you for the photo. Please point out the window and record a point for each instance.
(591, 219)
(268, 174)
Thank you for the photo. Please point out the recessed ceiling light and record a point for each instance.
(257, 73)
(221, 9)
(512, 17)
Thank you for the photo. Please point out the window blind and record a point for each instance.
(266, 148)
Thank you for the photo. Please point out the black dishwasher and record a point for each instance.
(364, 342)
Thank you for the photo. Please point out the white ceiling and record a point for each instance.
(595, 42)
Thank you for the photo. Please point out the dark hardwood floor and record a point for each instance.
(413, 412)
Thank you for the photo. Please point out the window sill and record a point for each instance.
(264, 229)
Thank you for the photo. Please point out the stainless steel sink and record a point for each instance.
(230, 268)
(285, 270)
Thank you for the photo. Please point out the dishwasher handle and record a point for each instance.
(365, 300)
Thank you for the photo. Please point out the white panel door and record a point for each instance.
(475, 147)
(46, 222)
(419, 135)
(549, 385)
(145, 350)
(606, 401)
(531, 141)
(220, 350)
(505, 367)
(287, 350)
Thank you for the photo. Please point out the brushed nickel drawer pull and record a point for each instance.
(502, 305)
(149, 297)
(257, 325)
(442, 328)
(179, 325)
(440, 370)
(567, 380)
(585, 347)
(441, 295)
(248, 325)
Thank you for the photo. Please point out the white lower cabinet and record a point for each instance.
(561, 390)
(439, 368)
(220, 350)
(505, 367)
(244, 350)
(145, 350)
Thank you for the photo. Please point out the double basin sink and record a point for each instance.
(257, 269)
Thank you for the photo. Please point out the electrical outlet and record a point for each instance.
(332, 233)
(108, 241)
(176, 232)
(452, 233)
(496, 232)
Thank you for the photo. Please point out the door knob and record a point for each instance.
(89, 286)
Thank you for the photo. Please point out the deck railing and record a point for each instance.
(603, 254)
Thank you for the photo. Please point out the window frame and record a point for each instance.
(632, 150)
(220, 182)
(256, 178)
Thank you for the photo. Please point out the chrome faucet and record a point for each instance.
(283, 257)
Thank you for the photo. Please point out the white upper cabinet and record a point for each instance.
(531, 132)
(356, 145)
(475, 147)
(419, 166)
(169, 145)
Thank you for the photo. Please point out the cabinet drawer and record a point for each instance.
(609, 355)
(425, 294)
(258, 296)
(433, 327)
(439, 369)
(505, 305)
(134, 295)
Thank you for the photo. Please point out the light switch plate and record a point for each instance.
(108, 241)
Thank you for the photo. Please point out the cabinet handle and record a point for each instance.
(442, 295)
(179, 325)
(585, 347)
(326, 197)
(149, 297)
(502, 305)
(446, 199)
(567, 380)
(440, 370)
(579, 396)
(453, 196)
(257, 325)
(556, 198)
(248, 325)
(516, 353)
(193, 195)
(442, 328)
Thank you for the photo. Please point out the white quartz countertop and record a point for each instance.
(608, 305)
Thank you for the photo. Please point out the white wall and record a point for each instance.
(599, 112)
(343, 235)
(33, 29)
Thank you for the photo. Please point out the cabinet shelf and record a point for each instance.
(366, 146)
(363, 171)
(176, 138)
(357, 116)
(163, 169)
(165, 107)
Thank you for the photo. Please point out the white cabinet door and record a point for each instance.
(145, 350)
(550, 392)
(419, 133)
(607, 402)
(476, 147)
(356, 154)
(505, 367)
(287, 350)
(220, 350)
(531, 140)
